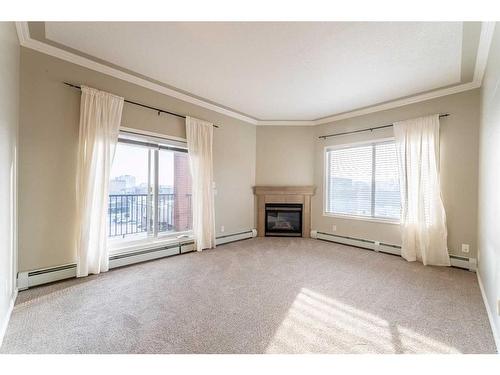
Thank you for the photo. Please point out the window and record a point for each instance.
(363, 181)
(149, 190)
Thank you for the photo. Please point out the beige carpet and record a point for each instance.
(268, 295)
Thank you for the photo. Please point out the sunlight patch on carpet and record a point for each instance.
(317, 323)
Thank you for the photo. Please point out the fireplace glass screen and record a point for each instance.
(283, 219)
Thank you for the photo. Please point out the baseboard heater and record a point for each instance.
(456, 261)
(33, 278)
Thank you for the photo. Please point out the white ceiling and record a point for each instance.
(279, 71)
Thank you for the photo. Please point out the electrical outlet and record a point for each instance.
(465, 248)
(222, 228)
(498, 307)
(334, 228)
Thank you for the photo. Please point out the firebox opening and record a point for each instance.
(283, 219)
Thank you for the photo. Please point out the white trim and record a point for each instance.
(153, 134)
(287, 122)
(28, 42)
(133, 257)
(483, 50)
(341, 146)
(401, 102)
(379, 246)
(45, 275)
(23, 32)
(116, 247)
(5, 320)
(28, 279)
(380, 107)
(362, 218)
(223, 239)
(153, 142)
(463, 262)
(496, 334)
(486, 35)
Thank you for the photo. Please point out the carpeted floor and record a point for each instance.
(264, 295)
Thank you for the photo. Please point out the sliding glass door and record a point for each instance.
(174, 192)
(149, 191)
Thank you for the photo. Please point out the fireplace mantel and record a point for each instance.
(284, 194)
(284, 190)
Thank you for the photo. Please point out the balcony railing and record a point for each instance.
(128, 213)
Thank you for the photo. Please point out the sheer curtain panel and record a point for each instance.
(423, 219)
(100, 117)
(199, 140)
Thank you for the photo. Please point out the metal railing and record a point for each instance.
(128, 213)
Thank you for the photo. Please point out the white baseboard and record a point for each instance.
(125, 259)
(491, 317)
(223, 239)
(4, 322)
(41, 276)
(456, 261)
(33, 278)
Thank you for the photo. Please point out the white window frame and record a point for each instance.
(118, 246)
(325, 182)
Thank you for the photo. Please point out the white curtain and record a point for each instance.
(199, 140)
(100, 117)
(423, 219)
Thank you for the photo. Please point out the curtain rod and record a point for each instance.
(365, 130)
(140, 105)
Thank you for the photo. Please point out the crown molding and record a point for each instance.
(26, 41)
(377, 108)
(286, 123)
(486, 36)
(23, 32)
(483, 50)
(401, 102)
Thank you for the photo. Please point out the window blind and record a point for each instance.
(387, 195)
(350, 181)
(363, 181)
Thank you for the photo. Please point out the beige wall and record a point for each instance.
(9, 119)
(295, 156)
(285, 155)
(459, 155)
(244, 156)
(48, 146)
(489, 184)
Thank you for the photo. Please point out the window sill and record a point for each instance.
(361, 218)
(146, 244)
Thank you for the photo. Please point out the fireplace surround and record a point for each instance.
(283, 202)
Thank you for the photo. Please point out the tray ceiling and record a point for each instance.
(281, 70)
